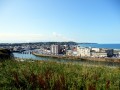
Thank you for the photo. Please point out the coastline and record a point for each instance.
(112, 60)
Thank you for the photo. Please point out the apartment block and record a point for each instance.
(84, 51)
(55, 49)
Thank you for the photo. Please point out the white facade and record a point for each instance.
(102, 52)
(99, 54)
(74, 53)
(83, 51)
(92, 52)
(118, 54)
(54, 49)
(69, 52)
(96, 49)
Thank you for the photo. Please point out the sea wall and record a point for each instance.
(116, 60)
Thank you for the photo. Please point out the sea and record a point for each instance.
(109, 46)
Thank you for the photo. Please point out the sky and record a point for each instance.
(95, 21)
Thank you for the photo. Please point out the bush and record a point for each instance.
(5, 54)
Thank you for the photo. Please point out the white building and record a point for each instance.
(72, 51)
(99, 54)
(84, 51)
(55, 49)
(96, 49)
(69, 52)
(102, 52)
(118, 54)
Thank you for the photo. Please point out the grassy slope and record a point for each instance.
(57, 76)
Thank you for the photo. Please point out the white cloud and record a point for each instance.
(60, 37)
(56, 34)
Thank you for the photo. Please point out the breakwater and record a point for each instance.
(113, 60)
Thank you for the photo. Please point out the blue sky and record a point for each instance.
(60, 20)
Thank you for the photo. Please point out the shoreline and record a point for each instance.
(112, 60)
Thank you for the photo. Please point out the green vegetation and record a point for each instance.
(43, 75)
(5, 54)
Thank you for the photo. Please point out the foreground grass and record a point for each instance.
(43, 75)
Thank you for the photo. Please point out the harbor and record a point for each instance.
(84, 61)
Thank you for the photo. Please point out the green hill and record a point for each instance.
(5, 54)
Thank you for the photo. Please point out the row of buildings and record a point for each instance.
(82, 51)
(61, 49)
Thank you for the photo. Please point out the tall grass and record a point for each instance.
(43, 75)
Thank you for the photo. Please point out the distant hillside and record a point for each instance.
(87, 43)
(5, 54)
(39, 43)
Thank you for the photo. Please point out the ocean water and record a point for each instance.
(109, 46)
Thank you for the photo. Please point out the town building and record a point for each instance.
(95, 49)
(74, 51)
(101, 52)
(110, 52)
(62, 49)
(119, 54)
(94, 52)
(69, 52)
(83, 51)
(55, 49)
